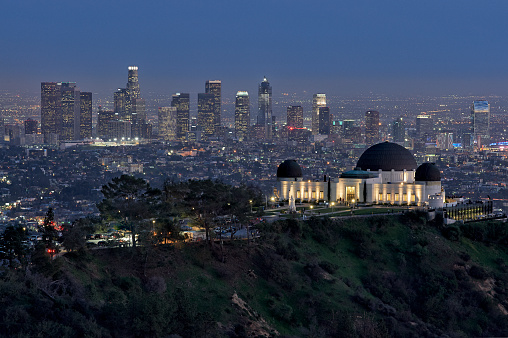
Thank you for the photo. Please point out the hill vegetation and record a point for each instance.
(380, 276)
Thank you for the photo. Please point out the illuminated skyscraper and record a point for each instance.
(206, 117)
(324, 120)
(242, 115)
(70, 110)
(85, 115)
(168, 117)
(295, 117)
(265, 108)
(319, 100)
(121, 101)
(103, 119)
(50, 107)
(371, 127)
(181, 102)
(31, 126)
(133, 83)
(480, 123)
(214, 87)
(424, 128)
(399, 130)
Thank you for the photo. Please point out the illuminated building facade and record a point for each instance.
(50, 107)
(69, 111)
(206, 117)
(371, 127)
(318, 100)
(399, 130)
(31, 127)
(424, 128)
(168, 123)
(295, 117)
(480, 123)
(386, 173)
(181, 101)
(85, 115)
(214, 88)
(324, 121)
(242, 115)
(264, 118)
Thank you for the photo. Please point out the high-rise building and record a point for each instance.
(399, 130)
(319, 100)
(324, 120)
(424, 128)
(103, 119)
(50, 108)
(444, 140)
(264, 118)
(121, 101)
(133, 83)
(181, 102)
(371, 127)
(31, 126)
(85, 115)
(214, 87)
(295, 117)
(70, 111)
(348, 129)
(242, 115)
(480, 123)
(206, 117)
(168, 123)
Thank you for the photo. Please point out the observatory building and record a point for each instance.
(385, 173)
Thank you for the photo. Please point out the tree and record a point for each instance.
(74, 234)
(12, 240)
(49, 233)
(130, 199)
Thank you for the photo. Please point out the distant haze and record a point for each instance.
(337, 47)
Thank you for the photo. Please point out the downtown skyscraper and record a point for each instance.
(214, 87)
(168, 126)
(318, 100)
(264, 119)
(63, 116)
(242, 115)
(294, 117)
(206, 117)
(371, 127)
(181, 101)
(480, 123)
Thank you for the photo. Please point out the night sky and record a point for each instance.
(337, 47)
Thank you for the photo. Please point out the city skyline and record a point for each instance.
(366, 46)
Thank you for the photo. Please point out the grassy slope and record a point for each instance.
(379, 276)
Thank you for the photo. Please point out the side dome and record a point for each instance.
(289, 169)
(428, 172)
(387, 156)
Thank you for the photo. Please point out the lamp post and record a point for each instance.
(333, 204)
(250, 202)
(311, 207)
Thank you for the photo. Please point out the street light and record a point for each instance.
(333, 204)
(250, 201)
(311, 207)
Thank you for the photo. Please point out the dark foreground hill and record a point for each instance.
(373, 277)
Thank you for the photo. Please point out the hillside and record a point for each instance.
(371, 277)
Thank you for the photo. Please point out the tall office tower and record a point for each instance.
(133, 83)
(424, 128)
(121, 101)
(70, 110)
(371, 127)
(206, 117)
(50, 107)
(444, 140)
(242, 115)
(319, 100)
(348, 129)
(2, 130)
(181, 101)
(168, 123)
(31, 126)
(324, 121)
(103, 118)
(265, 108)
(85, 115)
(295, 117)
(480, 123)
(214, 87)
(138, 114)
(399, 130)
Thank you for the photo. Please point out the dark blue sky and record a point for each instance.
(338, 47)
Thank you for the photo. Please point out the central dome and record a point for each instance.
(386, 156)
(289, 169)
